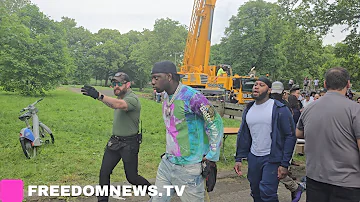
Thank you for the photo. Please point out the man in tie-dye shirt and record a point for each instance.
(194, 131)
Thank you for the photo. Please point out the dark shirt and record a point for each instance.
(296, 114)
(233, 99)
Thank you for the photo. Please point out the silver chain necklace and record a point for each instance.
(169, 103)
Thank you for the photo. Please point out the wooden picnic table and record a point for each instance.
(227, 132)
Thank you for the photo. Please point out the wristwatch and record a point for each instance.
(101, 97)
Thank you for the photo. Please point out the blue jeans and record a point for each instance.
(262, 176)
(158, 97)
(172, 174)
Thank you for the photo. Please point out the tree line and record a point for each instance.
(285, 39)
(280, 39)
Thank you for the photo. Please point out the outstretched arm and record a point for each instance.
(114, 103)
(109, 101)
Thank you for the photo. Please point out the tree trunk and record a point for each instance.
(141, 86)
(106, 82)
(106, 79)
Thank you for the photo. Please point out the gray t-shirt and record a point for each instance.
(259, 120)
(331, 128)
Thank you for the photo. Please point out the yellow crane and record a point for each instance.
(196, 69)
(197, 50)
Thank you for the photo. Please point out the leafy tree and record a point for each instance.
(167, 39)
(218, 54)
(130, 67)
(33, 57)
(303, 53)
(259, 35)
(284, 40)
(252, 37)
(349, 60)
(12, 6)
(79, 42)
(142, 58)
(322, 15)
(108, 55)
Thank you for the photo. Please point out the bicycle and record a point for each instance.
(36, 135)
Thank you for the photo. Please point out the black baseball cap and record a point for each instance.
(165, 67)
(121, 77)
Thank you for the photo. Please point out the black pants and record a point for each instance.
(322, 192)
(129, 155)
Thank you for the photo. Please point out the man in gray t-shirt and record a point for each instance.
(267, 139)
(331, 128)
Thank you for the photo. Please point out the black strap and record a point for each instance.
(140, 134)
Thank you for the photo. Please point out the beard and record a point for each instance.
(158, 90)
(118, 92)
(260, 97)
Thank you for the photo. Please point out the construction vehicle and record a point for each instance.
(196, 69)
(195, 66)
(241, 86)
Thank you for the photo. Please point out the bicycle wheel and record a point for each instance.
(46, 136)
(28, 149)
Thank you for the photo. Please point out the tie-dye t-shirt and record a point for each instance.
(193, 128)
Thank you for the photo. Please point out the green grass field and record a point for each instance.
(81, 127)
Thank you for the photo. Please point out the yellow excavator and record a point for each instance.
(196, 69)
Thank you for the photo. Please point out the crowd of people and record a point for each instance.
(331, 129)
(327, 120)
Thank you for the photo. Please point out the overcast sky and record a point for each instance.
(126, 15)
